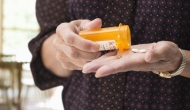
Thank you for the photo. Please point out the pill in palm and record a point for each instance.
(139, 51)
(135, 50)
(142, 50)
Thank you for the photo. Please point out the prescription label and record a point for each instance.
(107, 45)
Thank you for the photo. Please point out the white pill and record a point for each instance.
(135, 50)
(142, 51)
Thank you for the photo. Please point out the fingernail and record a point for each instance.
(101, 75)
(97, 76)
(86, 69)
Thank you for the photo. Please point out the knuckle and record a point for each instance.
(72, 22)
(69, 39)
(74, 54)
(54, 43)
(61, 26)
(86, 46)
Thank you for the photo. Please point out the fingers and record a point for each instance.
(95, 66)
(159, 57)
(152, 55)
(74, 53)
(161, 51)
(163, 56)
(67, 63)
(69, 33)
(113, 53)
(97, 63)
(70, 38)
(70, 66)
(73, 50)
(96, 23)
(87, 24)
(109, 69)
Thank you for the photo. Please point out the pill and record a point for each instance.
(142, 51)
(135, 50)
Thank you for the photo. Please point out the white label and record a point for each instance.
(107, 45)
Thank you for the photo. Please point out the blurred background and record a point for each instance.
(18, 25)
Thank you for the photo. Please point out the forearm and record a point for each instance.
(49, 58)
(186, 71)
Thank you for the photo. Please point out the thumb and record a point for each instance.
(153, 54)
(96, 23)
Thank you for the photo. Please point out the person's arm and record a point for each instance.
(162, 56)
(65, 51)
(48, 20)
(49, 58)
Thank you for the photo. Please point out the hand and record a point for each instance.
(74, 51)
(161, 56)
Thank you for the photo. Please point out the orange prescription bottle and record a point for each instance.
(109, 38)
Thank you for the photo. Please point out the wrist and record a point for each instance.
(177, 63)
(178, 71)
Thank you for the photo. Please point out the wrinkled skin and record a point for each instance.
(76, 53)
(72, 50)
(161, 56)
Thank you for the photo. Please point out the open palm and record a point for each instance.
(155, 59)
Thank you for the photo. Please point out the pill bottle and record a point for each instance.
(110, 38)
